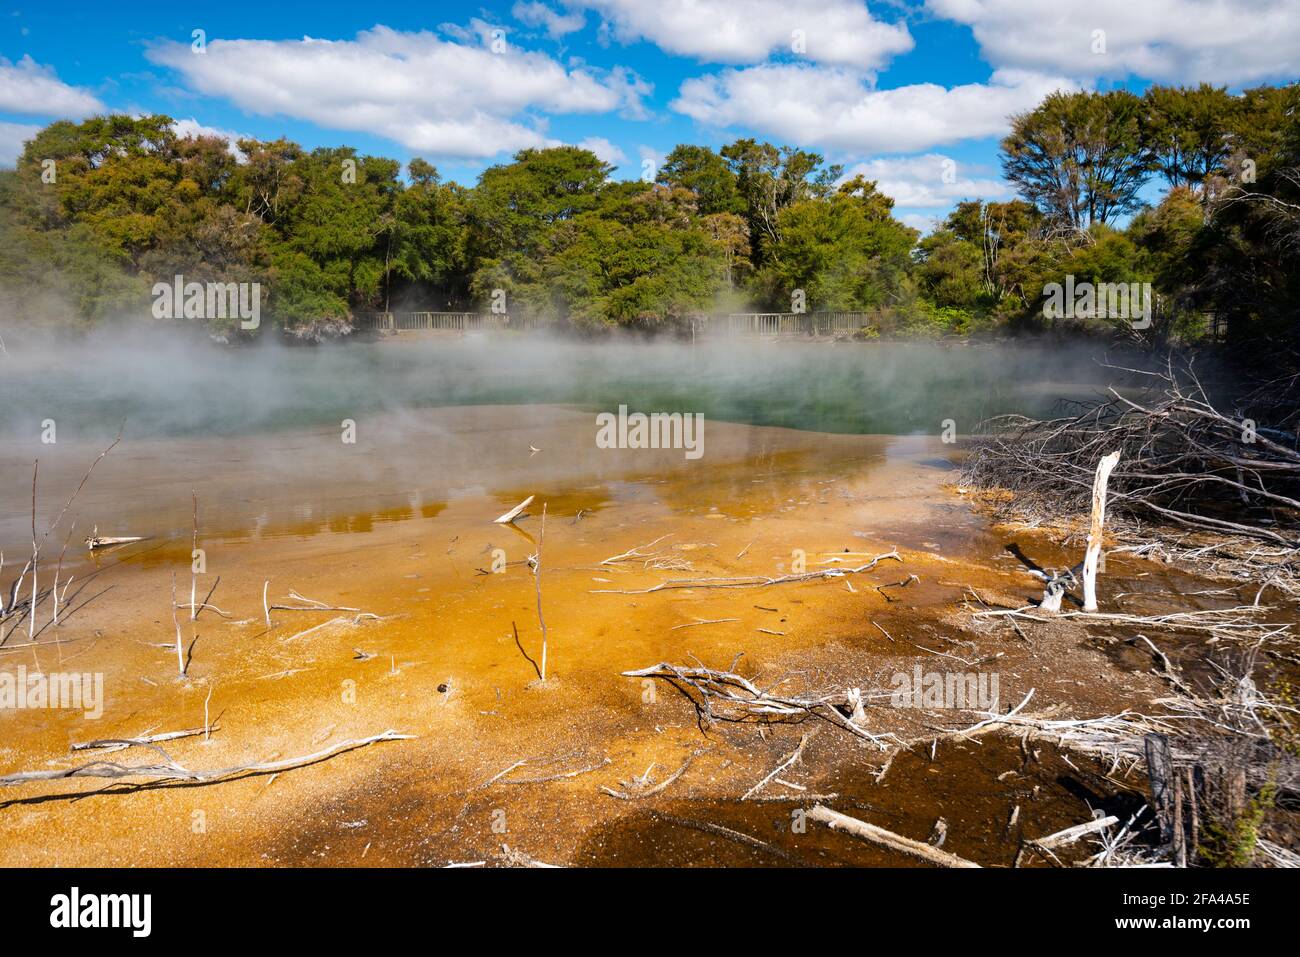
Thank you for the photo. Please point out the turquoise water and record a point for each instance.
(165, 387)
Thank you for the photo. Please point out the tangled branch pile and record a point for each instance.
(1183, 462)
(728, 696)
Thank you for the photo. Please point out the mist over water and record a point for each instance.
(165, 384)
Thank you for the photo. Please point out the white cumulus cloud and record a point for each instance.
(1185, 41)
(28, 87)
(931, 181)
(747, 31)
(433, 95)
(192, 127)
(605, 151)
(12, 138)
(557, 24)
(837, 109)
(919, 221)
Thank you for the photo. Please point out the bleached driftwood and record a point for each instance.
(750, 581)
(793, 758)
(879, 836)
(537, 583)
(635, 552)
(121, 744)
(641, 788)
(310, 604)
(727, 696)
(96, 540)
(1072, 834)
(509, 517)
(169, 770)
(1096, 526)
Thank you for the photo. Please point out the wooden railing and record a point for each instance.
(785, 323)
(431, 321)
(759, 324)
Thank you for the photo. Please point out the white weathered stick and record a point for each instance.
(31, 616)
(1072, 834)
(537, 581)
(169, 770)
(180, 657)
(878, 835)
(121, 744)
(1093, 552)
(194, 547)
(753, 581)
(792, 759)
(509, 517)
(634, 552)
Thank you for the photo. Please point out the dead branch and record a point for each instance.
(888, 839)
(537, 582)
(727, 696)
(639, 788)
(180, 656)
(792, 759)
(121, 744)
(170, 770)
(752, 581)
(1185, 462)
(634, 552)
(541, 779)
(730, 834)
(310, 604)
(509, 517)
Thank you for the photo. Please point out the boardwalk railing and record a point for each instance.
(431, 321)
(786, 323)
(761, 324)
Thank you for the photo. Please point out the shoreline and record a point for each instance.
(281, 693)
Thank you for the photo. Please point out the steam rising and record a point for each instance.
(164, 382)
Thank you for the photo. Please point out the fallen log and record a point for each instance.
(105, 541)
(169, 770)
(749, 581)
(509, 517)
(887, 839)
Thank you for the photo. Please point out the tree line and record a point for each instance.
(1191, 189)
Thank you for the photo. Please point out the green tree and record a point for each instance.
(515, 207)
(769, 179)
(1186, 132)
(846, 252)
(1079, 156)
(707, 175)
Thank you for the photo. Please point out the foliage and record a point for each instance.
(1079, 156)
(329, 232)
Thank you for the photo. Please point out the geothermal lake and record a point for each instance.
(271, 419)
(816, 456)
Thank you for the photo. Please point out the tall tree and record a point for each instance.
(1187, 132)
(846, 252)
(769, 179)
(1079, 156)
(707, 175)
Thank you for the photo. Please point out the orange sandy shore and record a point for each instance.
(399, 526)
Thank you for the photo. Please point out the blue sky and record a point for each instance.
(914, 95)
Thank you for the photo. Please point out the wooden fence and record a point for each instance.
(756, 324)
(785, 324)
(431, 321)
